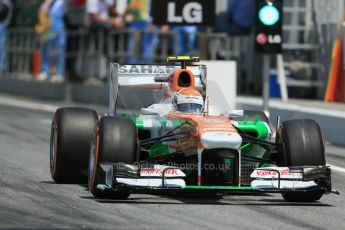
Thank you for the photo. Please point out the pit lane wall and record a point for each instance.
(331, 117)
(221, 85)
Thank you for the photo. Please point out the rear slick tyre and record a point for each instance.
(71, 134)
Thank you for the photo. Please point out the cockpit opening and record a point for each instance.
(184, 79)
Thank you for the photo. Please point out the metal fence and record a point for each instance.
(88, 53)
(21, 45)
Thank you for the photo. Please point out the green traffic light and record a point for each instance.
(269, 15)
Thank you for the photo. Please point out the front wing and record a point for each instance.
(164, 179)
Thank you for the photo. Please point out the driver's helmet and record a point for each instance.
(188, 100)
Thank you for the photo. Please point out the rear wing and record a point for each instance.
(151, 77)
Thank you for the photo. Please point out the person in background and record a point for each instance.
(6, 10)
(185, 40)
(74, 14)
(77, 3)
(25, 13)
(143, 37)
(53, 38)
(102, 19)
(99, 12)
(238, 19)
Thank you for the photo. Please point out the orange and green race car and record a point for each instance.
(182, 144)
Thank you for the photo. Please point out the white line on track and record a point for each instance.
(27, 104)
(337, 168)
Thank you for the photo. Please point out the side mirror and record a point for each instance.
(234, 113)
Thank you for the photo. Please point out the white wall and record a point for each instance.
(221, 83)
(221, 5)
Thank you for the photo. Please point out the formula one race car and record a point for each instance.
(182, 145)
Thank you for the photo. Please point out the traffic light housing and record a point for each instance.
(268, 30)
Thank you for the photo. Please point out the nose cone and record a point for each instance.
(212, 140)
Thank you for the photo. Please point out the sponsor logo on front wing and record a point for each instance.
(272, 172)
(157, 171)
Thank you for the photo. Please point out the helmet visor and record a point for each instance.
(189, 107)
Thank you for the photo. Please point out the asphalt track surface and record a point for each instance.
(29, 199)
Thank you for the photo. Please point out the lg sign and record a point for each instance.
(183, 12)
(262, 39)
(191, 13)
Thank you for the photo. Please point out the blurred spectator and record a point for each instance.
(25, 13)
(239, 18)
(185, 36)
(102, 19)
(143, 37)
(77, 3)
(53, 38)
(5, 17)
(74, 13)
(99, 12)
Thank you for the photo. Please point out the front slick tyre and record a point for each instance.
(115, 142)
(302, 196)
(304, 146)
